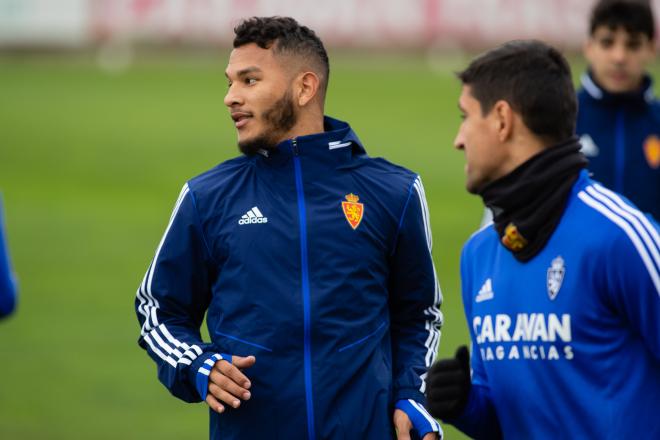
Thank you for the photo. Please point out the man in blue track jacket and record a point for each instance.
(619, 117)
(562, 292)
(7, 280)
(311, 260)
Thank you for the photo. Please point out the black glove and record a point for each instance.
(448, 385)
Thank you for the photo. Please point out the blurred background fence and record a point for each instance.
(108, 106)
(344, 23)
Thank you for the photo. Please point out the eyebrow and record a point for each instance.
(243, 72)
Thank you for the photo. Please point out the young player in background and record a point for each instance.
(618, 116)
(562, 292)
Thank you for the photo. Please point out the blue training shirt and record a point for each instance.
(567, 345)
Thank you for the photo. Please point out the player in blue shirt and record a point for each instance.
(562, 292)
(619, 117)
(7, 281)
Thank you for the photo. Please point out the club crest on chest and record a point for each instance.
(555, 277)
(353, 210)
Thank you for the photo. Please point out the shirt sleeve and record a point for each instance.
(632, 274)
(7, 280)
(172, 300)
(478, 419)
(415, 299)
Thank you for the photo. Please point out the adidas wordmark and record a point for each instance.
(253, 216)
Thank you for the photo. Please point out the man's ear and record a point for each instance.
(503, 118)
(308, 87)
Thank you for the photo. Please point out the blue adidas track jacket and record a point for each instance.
(567, 345)
(7, 280)
(620, 134)
(316, 259)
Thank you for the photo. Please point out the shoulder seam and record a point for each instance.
(199, 223)
(403, 213)
(640, 232)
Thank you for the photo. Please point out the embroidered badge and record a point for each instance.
(652, 151)
(555, 277)
(353, 210)
(513, 239)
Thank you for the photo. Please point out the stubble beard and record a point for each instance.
(278, 120)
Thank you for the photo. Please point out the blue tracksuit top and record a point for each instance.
(567, 345)
(7, 279)
(620, 134)
(316, 259)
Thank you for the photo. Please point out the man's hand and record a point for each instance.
(449, 385)
(403, 425)
(227, 383)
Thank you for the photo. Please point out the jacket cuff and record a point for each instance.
(200, 369)
(409, 393)
(421, 420)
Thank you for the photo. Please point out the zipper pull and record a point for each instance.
(294, 146)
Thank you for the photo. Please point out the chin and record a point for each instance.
(613, 87)
(254, 144)
(471, 187)
(621, 85)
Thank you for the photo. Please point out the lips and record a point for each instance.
(240, 118)
(618, 75)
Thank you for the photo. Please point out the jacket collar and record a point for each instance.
(595, 91)
(336, 145)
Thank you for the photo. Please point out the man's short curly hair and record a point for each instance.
(286, 36)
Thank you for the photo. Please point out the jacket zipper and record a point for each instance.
(302, 216)
(620, 153)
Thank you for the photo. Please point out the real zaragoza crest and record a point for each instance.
(353, 210)
(652, 151)
(513, 239)
(556, 273)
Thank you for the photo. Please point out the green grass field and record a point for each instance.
(90, 167)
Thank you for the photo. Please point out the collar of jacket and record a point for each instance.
(337, 145)
(642, 96)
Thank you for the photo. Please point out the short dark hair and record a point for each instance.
(286, 36)
(534, 78)
(635, 16)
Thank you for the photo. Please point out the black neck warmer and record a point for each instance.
(528, 202)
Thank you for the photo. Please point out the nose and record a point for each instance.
(459, 144)
(232, 98)
(619, 53)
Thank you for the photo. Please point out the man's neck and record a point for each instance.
(521, 149)
(306, 126)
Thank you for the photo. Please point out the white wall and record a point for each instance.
(44, 22)
(383, 23)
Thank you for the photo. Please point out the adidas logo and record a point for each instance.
(486, 292)
(589, 147)
(253, 216)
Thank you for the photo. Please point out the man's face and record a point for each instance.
(478, 137)
(259, 98)
(618, 59)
